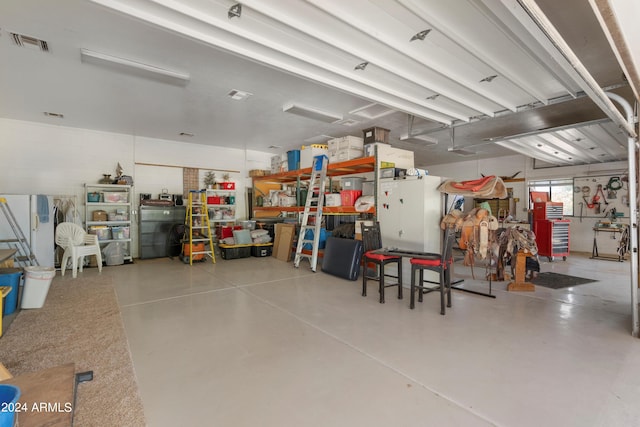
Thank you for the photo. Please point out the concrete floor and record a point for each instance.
(257, 342)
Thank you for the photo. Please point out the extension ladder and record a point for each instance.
(198, 228)
(314, 194)
(25, 255)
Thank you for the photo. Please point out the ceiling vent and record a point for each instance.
(311, 113)
(30, 42)
(239, 95)
(347, 122)
(372, 111)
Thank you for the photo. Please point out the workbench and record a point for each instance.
(622, 245)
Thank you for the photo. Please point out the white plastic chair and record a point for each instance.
(77, 244)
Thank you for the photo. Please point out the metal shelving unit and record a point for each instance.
(111, 198)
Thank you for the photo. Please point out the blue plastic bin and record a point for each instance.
(9, 395)
(10, 277)
(293, 160)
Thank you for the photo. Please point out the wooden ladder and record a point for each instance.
(315, 193)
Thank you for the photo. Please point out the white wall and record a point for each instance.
(581, 233)
(46, 159)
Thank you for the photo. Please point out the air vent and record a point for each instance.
(371, 111)
(347, 122)
(239, 95)
(30, 42)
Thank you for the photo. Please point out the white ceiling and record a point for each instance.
(306, 53)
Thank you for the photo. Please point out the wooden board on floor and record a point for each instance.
(285, 233)
(46, 396)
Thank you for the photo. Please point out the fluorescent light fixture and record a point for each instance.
(461, 151)
(311, 113)
(419, 139)
(319, 139)
(133, 67)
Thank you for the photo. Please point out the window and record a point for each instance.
(560, 190)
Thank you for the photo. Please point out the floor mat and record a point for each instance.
(559, 281)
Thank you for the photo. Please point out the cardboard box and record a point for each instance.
(99, 216)
(386, 153)
(376, 134)
(307, 153)
(332, 199)
(285, 233)
(345, 143)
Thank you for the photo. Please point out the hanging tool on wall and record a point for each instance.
(585, 193)
(600, 192)
(581, 207)
(613, 186)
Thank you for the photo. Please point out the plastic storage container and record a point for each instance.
(36, 286)
(9, 395)
(293, 160)
(11, 277)
(262, 250)
(354, 183)
(235, 251)
(349, 197)
(120, 233)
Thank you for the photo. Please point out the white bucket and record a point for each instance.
(36, 286)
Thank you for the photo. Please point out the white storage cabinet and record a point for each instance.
(409, 211)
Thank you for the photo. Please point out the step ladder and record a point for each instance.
(25, 256)
(315, 194)
(197, 228)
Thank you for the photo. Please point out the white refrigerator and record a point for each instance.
(31, 217)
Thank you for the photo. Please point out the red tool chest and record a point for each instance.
(552, 232)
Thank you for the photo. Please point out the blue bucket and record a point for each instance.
(10, 277)
(9, 395)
